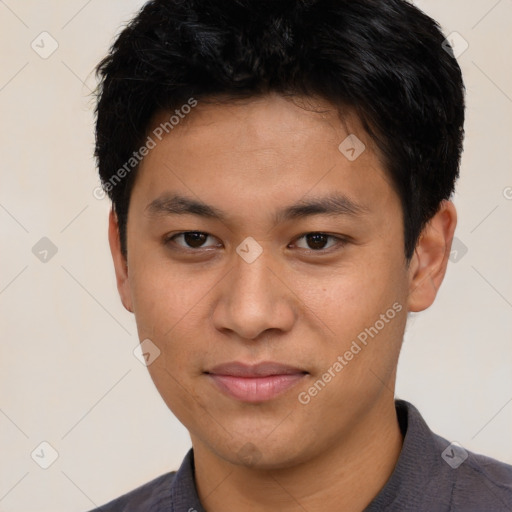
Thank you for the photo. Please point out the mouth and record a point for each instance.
(255, 383)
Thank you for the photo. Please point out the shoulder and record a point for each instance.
(434, 474)
(479, 482)
(152, 496)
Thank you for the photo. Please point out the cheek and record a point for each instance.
(171, 308)
(166, 307)
(353, 296)
(161, 294)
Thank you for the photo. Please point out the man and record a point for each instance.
(280, 173)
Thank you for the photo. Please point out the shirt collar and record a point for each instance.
(419, 466)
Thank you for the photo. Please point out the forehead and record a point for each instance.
(270, 148)
(257, 118)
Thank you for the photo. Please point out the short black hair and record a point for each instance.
(385, 60)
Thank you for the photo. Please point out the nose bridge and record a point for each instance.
(253, 280)
(253, 300)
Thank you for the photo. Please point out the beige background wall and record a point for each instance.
(68, 375)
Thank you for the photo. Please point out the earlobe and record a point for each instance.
(428, 264)
(120, 263)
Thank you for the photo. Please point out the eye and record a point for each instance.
(312, 242)
(190, 240)
(320, 241)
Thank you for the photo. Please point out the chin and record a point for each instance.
(262, 454)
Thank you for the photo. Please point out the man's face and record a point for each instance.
(321, 282)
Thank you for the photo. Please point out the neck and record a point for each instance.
(352, 471)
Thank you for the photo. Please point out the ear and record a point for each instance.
(120, 263)
(430, 259)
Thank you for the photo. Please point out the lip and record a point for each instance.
(255, 383)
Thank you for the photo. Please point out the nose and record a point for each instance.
(254, 299)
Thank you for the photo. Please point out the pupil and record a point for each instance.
(316, 240)
(195, 239)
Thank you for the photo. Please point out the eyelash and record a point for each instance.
(341, 241)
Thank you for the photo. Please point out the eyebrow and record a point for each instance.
(332, 205)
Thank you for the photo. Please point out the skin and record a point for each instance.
(292, 305)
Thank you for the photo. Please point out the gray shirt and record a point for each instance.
(431, 475)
